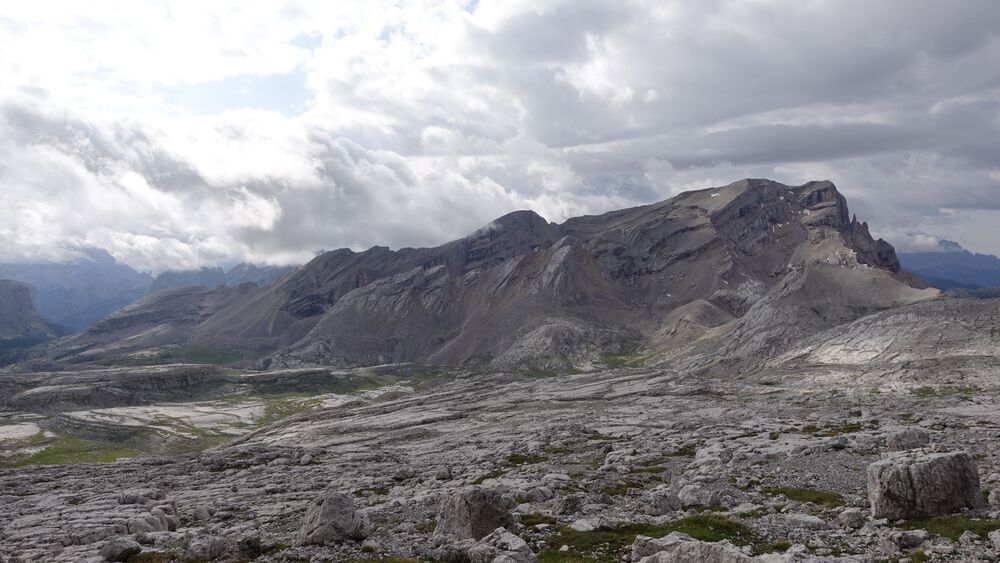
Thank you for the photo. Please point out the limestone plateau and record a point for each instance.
(737, 374)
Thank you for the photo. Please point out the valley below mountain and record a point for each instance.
(736, 374)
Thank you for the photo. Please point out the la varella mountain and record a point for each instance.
(748, 268)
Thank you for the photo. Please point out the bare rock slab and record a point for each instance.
(921, 484)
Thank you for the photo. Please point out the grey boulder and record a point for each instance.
(331, 518)
(120, 549)
(919, 484)
(473, 513)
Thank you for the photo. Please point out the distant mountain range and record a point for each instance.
(77, 294)
(953, 267)
(734, 274)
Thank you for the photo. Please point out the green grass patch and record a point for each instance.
(537, 518)
(491, 475)
(610, 544)
(277, 407)
(70, 449)
(779, 546)
(944, 390)
(828, 499)
(426, 527)
(651, 469)
(524, 459)
(952, 527)
(615, 361)
(686, 451)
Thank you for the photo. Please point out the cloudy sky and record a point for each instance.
(177, 134)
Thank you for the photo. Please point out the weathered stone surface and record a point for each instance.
(916, 485)
(473, 513)
(331, 518)
(682, 548)
(908, 439)
(501, 546)
(120, 549)
(994, 538)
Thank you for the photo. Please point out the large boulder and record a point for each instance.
(682, 548)
(331, 518)
(501, 546)
(921, 484)
(120, 549)
(473, 513)
(908, 439)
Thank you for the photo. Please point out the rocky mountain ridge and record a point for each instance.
(525, 292)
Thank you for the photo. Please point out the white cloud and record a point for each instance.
(428, 119)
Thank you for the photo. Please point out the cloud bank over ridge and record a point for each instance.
(177, 135)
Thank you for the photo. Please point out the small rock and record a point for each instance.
(120, 549)
(571, 504)
(908, 439)
(658, 503)
(851, 518)
(404, 473)
(682, 548)
(202, 514)
(913, 538)
(692, 495)
(443, 473)
(539, 494)
(139, 496)
(501, 545)
(969, 538)
(205, 548)
(806, 521)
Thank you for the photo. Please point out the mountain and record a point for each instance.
(21, 325)
(752, 266)
(953, 267)
(77, 294)
(214, 277)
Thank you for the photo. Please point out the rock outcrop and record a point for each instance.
(920, 484)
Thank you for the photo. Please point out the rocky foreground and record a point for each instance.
(617, 465)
